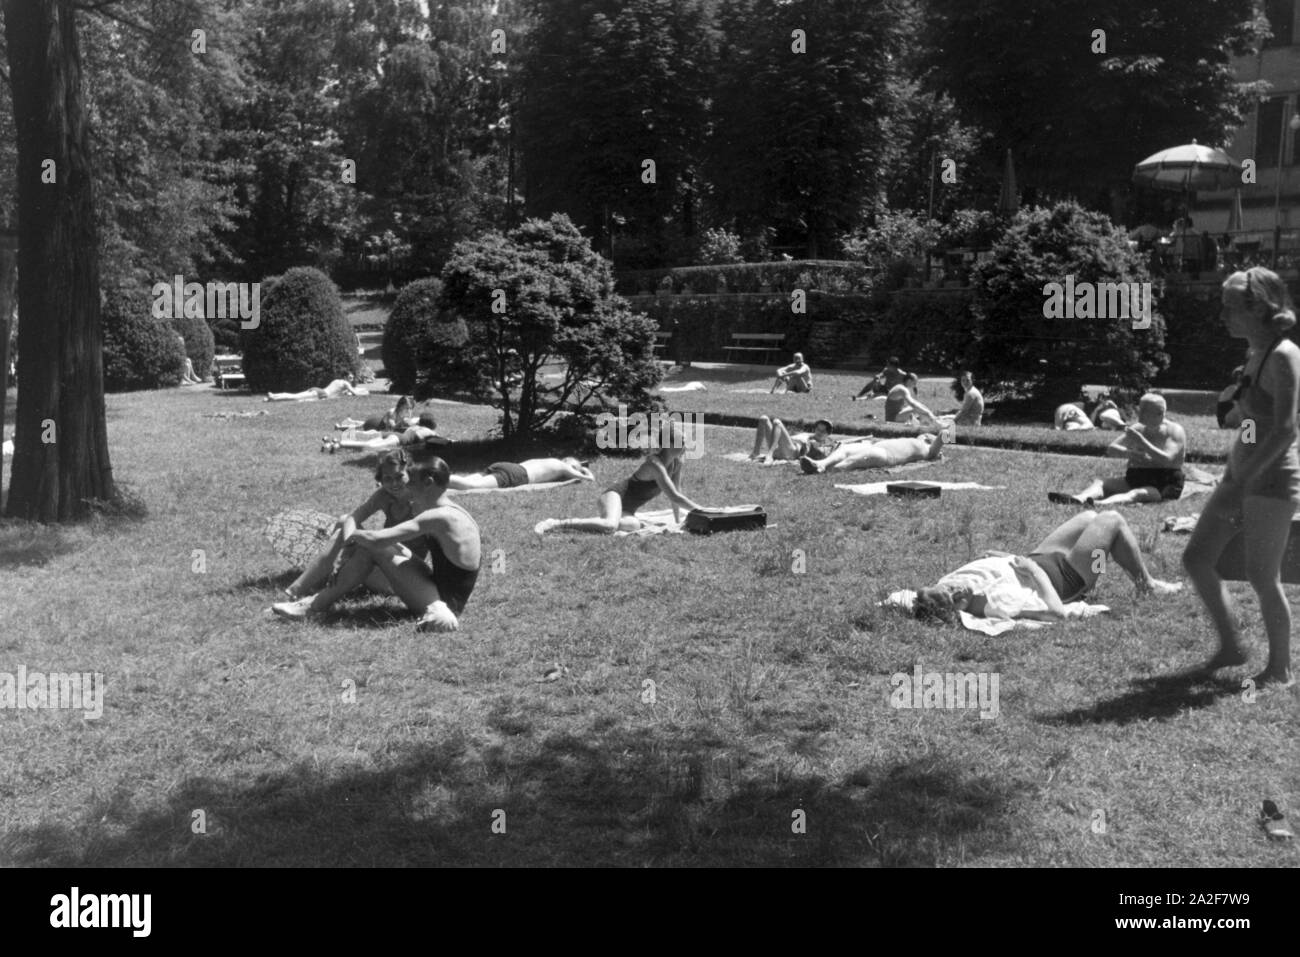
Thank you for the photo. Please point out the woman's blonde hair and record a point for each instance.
(1264, 288)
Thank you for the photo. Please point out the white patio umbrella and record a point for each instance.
(1184, 168)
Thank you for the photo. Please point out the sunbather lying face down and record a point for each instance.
(527, 472)
(1063, 568)
(336, 388)
(881, 454)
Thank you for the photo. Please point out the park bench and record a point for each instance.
(764, 342)
(229, 370)
(661, 343)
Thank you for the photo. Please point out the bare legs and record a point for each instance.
(611, 519)
(774, 433)
(1089, 539)
(1112, 491)
(1266, 524)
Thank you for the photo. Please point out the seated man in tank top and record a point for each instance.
(1154, 448)
(439, 590)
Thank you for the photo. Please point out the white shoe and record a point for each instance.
(297, 610)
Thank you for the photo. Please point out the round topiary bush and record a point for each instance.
(302, 339)
(446, 362)
(199, 344)
(409, 331)
(140, 352)
(225, 334)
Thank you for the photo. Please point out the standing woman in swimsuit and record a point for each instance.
(1260, 489)
(660, 471)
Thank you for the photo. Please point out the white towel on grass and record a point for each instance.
(878, 488)
(655, 523)
(686, 387)
(905, 600)
(744, 457)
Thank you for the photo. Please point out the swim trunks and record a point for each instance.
(455, 584)
(1069, 584)
(1168, 482)
(635, 492)
(507, 474)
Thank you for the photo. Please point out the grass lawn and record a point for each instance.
(730, 399)
(770, 687)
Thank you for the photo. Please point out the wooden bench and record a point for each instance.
(661, 343)
(764, 342)
(229, 370)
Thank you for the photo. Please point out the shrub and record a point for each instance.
(140, 352)
(1018, 349)
(302, 339)
(447, 363)
(719, 247)
(927, 328)
(199, 343)
(558, 302)
(808, 274)
(408, 330)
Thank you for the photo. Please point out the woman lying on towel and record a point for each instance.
(660, 471)
(1063, 568)
(334, 389)
(393, 498)
(527, 472)
(881, 454)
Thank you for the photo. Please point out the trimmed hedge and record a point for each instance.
(823, 275)
(199, 343)
(702, 325)
(140, 352)
(302, 340)
(407, 332)
(932, 328)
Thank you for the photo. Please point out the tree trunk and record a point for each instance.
(61, 443)
(8, 251)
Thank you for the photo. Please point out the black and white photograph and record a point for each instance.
(566, 434)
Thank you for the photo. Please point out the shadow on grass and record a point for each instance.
(30, 543)
(1160, 697)
(617, 797)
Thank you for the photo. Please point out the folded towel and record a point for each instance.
(878, 488)
(654, 523)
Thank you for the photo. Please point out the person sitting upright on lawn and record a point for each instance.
(972, 403)
(901, 405)
(796, 376)
(786, 447)
(889, 377)
(1154, 448)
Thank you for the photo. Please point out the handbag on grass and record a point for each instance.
(706, 521)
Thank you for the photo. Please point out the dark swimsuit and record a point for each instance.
(507, 474)
(635, 492)
(454, 584)
(1069, 584)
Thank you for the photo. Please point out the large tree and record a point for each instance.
(1079, 107)
(61, 458)
(608, 85)
(807, 113)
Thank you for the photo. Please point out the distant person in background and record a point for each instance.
(797, 377)
(889, 377)
(1107, 416)
(901, 405)
(1185, 247)
(972, 402)
(336, 388)
(187, 367)
(1071, 418)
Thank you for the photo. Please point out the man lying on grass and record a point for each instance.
(441, 530)
(423, 432)
(527, 472)
(1154, 447)
(1063, 568)
(881, 454)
